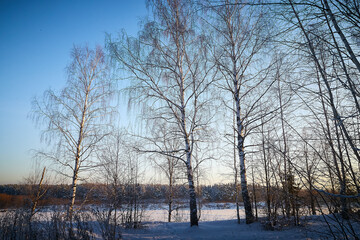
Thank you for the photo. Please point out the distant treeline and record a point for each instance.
(18, 195)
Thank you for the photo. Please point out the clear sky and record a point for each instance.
(35, 42)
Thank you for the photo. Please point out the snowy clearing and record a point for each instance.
(218, 221)
(226, 229)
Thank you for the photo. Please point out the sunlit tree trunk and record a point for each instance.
(240, 147)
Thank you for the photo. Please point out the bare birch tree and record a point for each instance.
(239, 43)
(171, 77)
(75, 118)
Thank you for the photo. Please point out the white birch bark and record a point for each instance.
(249, 217)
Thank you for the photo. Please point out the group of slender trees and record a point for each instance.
(281, 78)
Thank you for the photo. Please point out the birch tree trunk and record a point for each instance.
(236, 175)
(249, 217)
(77, 157)
(190, 175)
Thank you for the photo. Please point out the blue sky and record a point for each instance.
(35, 42)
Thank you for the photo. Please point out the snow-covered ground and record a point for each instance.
(225, 229)
(184, 216)
(217, 221)
(208, 212)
